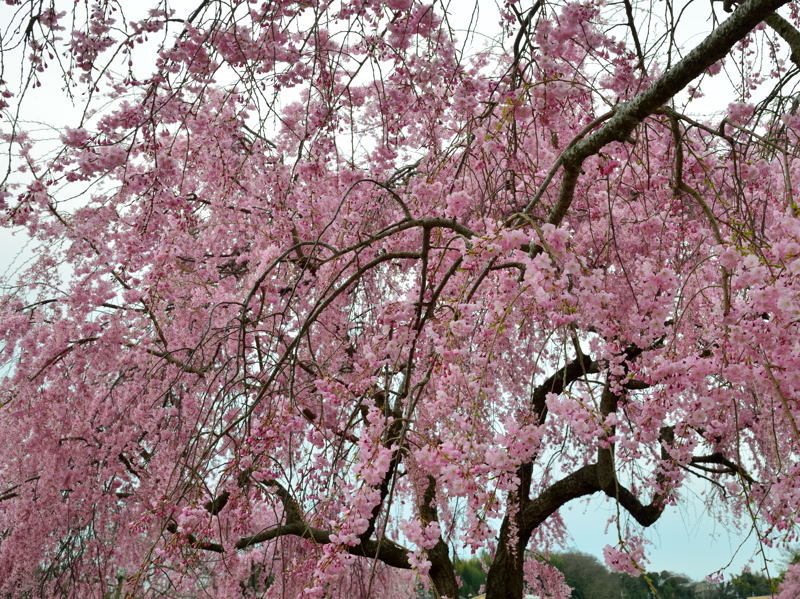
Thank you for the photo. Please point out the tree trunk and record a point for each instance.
(506, 579)
(442, 573)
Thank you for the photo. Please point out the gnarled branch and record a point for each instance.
(630, 114)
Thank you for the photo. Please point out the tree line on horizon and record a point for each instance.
(590, 579)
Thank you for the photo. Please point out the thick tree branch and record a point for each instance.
(216, 505)
(788, 32)
(383, 549)
(630, 114)
(645, 515)
(560, 380)
(442, 572)
(607, 473)
(580, 483)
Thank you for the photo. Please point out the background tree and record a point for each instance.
(472, 573)
(319, 292)
(718, 590)
(751, 584)
(670, 585)
(586, 576)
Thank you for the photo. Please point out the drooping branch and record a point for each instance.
(728, 466)
(383, 550)
(630, 114)
(788, 32)
(295, 524)
(635, 35)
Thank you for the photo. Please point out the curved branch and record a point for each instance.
(632, 113)
(580, 483)
(643, 514)
(560, 380)
(788, 32)
(383, 549)
(730, 467)
(607, 479)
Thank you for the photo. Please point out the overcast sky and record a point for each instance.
(686, 539)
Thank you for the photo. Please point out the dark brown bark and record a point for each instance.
(524, 514)
(788, 32)
(560, 380)
(442, 572)
(505, 579)
(630, 114)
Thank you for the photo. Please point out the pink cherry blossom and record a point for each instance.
(316, 295)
